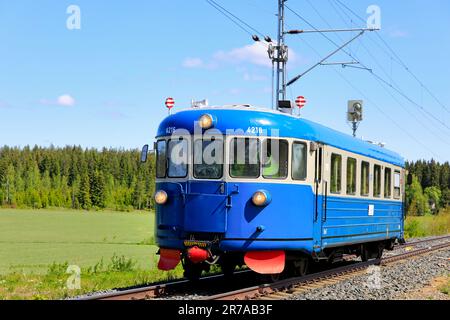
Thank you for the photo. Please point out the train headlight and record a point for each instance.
(261, 198)
(161, 197)
(206, 121)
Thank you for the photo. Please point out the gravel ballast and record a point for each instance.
(387, 282)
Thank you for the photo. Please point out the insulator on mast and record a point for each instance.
(255, 38)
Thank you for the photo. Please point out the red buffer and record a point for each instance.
(197, 255)
(168, 259)
(265, 262)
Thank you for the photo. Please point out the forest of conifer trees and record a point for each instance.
(429, 187)
(77, 178)
(73, 177)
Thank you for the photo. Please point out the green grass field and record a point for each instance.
(112, 249)
(429, 225)
(32, 240)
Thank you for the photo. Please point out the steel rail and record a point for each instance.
(256, 292)
(153, 291)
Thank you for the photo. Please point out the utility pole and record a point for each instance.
(282, 55)
(279, 55)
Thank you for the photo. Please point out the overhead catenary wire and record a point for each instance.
(228, 16)
(245, 26)
(235, 19)
(429, 128)
(400, 61)
(375, 104)
(399, 91)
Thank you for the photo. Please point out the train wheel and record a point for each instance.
(192, 271)
(390, 245)
(371, 251)
(380, 251)
(274, 277)
(301, 267)
(228, 268)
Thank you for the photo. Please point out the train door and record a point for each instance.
(320, 195)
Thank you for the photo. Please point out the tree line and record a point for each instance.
(73, 177)
(428, 188)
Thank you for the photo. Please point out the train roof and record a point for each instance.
(245, 117)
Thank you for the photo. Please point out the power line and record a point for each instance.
(374, 104)
(390, 78)
(241, 23)
(400, 61)
(228, 14)
(399, 91)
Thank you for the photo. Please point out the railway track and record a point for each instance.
(271, 291)
(282, 289)
(165, 289)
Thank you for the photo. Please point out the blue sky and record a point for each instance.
(105, 84)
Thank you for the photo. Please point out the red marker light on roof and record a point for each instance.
(300, 102)
(170, 103)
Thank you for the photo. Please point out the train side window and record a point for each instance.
(377, 181)
(319, 165)
(336, 173)
(387, 182)
(397, 185)
(299, 161)
(351, 176)
(177, 156)
(365, 168)
(275, 159)
(161, 161)
(244, 158)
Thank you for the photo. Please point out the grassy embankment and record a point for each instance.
(112, 249)
(428, 225)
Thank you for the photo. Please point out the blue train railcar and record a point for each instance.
(276, 192)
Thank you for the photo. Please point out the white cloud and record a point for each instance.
(64, 100)
(193, 63)
(397, 33)
(253, 77)
(255, 53)
(234, 91)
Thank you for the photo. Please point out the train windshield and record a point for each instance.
(275, 159)
(244, 158)
(208, 158)
(177, 157)
(161, 161)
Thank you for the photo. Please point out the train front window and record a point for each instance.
(177, 157)
(208, 158)
(275, 159)
(244, 158)
(365, 168)
(161, 161)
